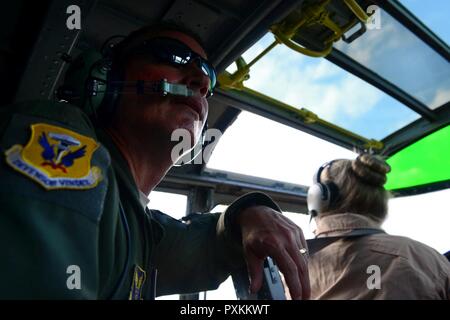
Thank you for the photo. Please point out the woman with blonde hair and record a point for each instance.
(361, 261)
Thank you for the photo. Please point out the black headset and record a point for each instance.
(93, 80)
(321, 194)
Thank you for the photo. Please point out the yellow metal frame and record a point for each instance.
(310, 117)
(357, 10)
(316, 14)
(283, 33)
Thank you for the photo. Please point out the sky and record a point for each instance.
(395, 53)
(433, 13)
(343, 99)
(434, 16)
(257, 146)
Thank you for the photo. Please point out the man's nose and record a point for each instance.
(197, 80)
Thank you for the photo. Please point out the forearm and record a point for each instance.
(200, 255)
(190, 257)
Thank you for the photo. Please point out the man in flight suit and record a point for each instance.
(73, 219)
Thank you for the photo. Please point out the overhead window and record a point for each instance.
(399, 56)
(433, 14)
(325, 89)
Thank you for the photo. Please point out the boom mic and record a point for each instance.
(175, 89)
(97, 86)
(162, 87)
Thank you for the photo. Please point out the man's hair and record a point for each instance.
(360, 184)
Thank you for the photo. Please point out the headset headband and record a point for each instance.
(322, 167)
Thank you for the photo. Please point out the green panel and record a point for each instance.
(425, 161)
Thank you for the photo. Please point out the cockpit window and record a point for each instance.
(399, 56)
(170, 203)
(422, 217)
(260, 147)
(434, 16)
(320, 86)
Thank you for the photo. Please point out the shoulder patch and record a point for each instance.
(137, 285)
(56, 158)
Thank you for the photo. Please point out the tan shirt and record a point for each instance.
(378, 266)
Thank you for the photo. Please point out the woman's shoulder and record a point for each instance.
(416, 254)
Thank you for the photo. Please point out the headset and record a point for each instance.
(94, 83)
(94, 78)
(321, 194)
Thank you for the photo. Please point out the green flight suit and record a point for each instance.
(49, 235)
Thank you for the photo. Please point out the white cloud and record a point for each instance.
(314, 84)
(442, 96)
(357, 99)
(323, 71)
(376, 45)
(368, 46)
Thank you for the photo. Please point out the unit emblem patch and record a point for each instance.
(137, 285)
(56, 158)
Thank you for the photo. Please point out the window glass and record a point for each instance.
(433, 14)
(170, 203)
(424, 218)
(398, 55)
(327, 90)
(423, 162)
(260, 147)
(173, 205)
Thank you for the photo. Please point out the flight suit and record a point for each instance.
(72, 225)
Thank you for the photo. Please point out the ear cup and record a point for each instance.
(113, 85)
(104, 84)
(321, 195)
(81, 78)
(318, 198)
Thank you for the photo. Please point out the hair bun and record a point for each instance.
(371, 169)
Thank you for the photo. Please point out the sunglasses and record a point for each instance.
(176, 53)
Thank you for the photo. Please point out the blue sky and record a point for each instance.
(433, 13)
(398, 55)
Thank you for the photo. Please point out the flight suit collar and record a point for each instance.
(123, 171)
(342, 223)
(120, 164)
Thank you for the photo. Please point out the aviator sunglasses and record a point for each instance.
(176, 53)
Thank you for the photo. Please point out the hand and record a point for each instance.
(265, 232)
